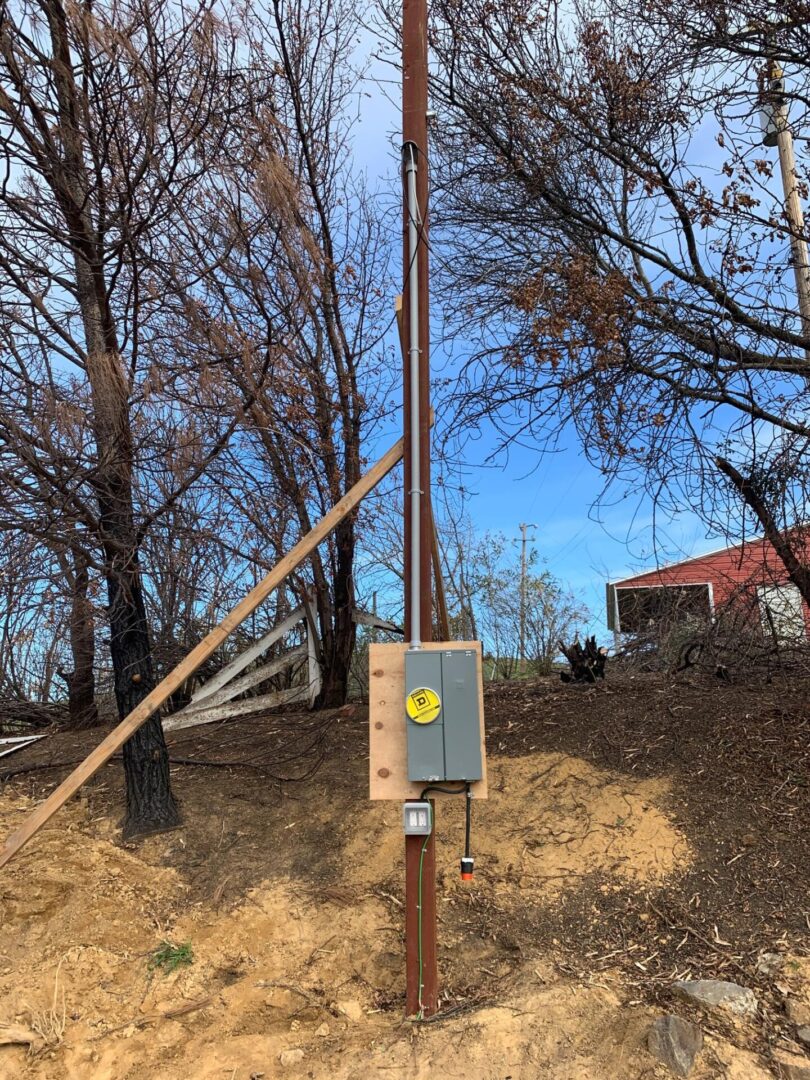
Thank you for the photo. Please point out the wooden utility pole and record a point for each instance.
(442, 617)
(420, 858)
(778, 132)
(523, 571)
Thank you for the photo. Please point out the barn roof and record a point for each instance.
(746, 546)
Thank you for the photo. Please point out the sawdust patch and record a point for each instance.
(550, 821)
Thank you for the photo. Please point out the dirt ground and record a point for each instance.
(636, 832)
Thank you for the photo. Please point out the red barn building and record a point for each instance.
(749, 576)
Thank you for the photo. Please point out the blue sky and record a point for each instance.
(581, 544)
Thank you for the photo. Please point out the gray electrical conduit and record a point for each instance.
(415, 494)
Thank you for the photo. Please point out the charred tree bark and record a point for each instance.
(341, 640)
(150, 805)
(797, 571)
(81, 682)
(334, 582)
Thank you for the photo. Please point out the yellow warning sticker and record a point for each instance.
(423, 705)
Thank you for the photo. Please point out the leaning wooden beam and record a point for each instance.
(152, 702)
(232, 690)
(240, 662)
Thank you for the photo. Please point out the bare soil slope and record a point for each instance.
(635, 833)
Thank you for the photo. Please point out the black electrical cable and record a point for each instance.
(467, 863)
(468, 823)
(443, 790)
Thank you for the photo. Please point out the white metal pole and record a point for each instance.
(795, 216)
(777, 132)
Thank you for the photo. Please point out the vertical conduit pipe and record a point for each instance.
(414, 360)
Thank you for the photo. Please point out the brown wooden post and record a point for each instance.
(430, 988)
(442, 618)
(419, 908)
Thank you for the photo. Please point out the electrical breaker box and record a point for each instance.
(442, 715)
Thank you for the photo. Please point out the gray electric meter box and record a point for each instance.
(442, 715)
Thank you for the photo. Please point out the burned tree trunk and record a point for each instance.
(81, 683)
(587, 663)
(150, 804)
(339, 645)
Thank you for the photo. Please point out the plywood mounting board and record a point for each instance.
(388, 748)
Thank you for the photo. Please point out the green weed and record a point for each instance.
(168, 957)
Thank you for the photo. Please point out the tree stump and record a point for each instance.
(587, 662)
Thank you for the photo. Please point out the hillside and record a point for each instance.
(636, 833)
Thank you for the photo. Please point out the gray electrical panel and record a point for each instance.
(442, 715)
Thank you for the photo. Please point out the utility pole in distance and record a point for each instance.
(777, 133)
(523, 574)
(422, 996)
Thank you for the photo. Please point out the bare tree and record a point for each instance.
(28, 659)
(620, 239)
(293, 311)
(109, 116)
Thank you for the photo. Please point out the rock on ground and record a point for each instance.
(714, 993)
(351, 1009)
(675, 1042)
(798, 1012)
(291, 1057)
(769, 963)
(793, 1068)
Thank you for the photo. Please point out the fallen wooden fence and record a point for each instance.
(9, 746)
(152, 702)
(213, 687)
(214, 699)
